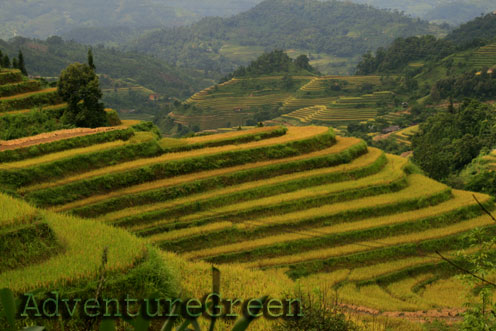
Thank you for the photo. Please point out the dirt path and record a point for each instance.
(50, 137)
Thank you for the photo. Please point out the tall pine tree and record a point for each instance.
(21, 65)
(5, 61)
(90, 59)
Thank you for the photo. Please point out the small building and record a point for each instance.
(391, 129)
(238, 109)
(405, 105)
(153, 97)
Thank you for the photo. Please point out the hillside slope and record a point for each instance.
(326, 210)
(450, 11)
(42, 19)
(266, 203)
(297, 99)
(284, 24)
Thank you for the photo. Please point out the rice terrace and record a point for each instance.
(286, 195)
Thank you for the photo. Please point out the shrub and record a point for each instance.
(18, 88)
(14, 126)
(319, 314)
(46, 97)
(112, 117)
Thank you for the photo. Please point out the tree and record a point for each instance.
(6, 61)
(90, 59)
(21, 65)
(80, 88)
(287, 82)
(447, 141)
(303, 62)
(15, 64)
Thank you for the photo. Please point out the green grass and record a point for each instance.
(19, 88)
(29, 100)
(10, 76)
(79, 259)
(33, 244)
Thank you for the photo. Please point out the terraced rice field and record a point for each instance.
(54, 255)
(404, 136)
(484, 57)
(234, 102)
(324, 209)
(342, 109)
(491, 160)
(318, 84)
(18, 94)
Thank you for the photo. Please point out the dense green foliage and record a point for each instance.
(18, 88)
(11, 76)
(483, 27)
(80, 88)
(449, 140)
(283, 24)
(17, 63)
(275, 62)
(468, 85)
(403, 51)
(13, 126)
(427, 50)
(30, 101)
(318, 314)
(33, 244)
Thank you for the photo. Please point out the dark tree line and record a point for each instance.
(481, 85)
(403, 51)
(17, 63)
(450, 140)
(271, 63)
(481, 29)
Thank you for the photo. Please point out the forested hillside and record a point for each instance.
(41, 19)
(481, 28)
(119, 70)
(427, 49)
(285, 24)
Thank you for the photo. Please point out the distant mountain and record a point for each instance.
(339, 29)
(449, 11)
(459, 12)
(43, 18)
